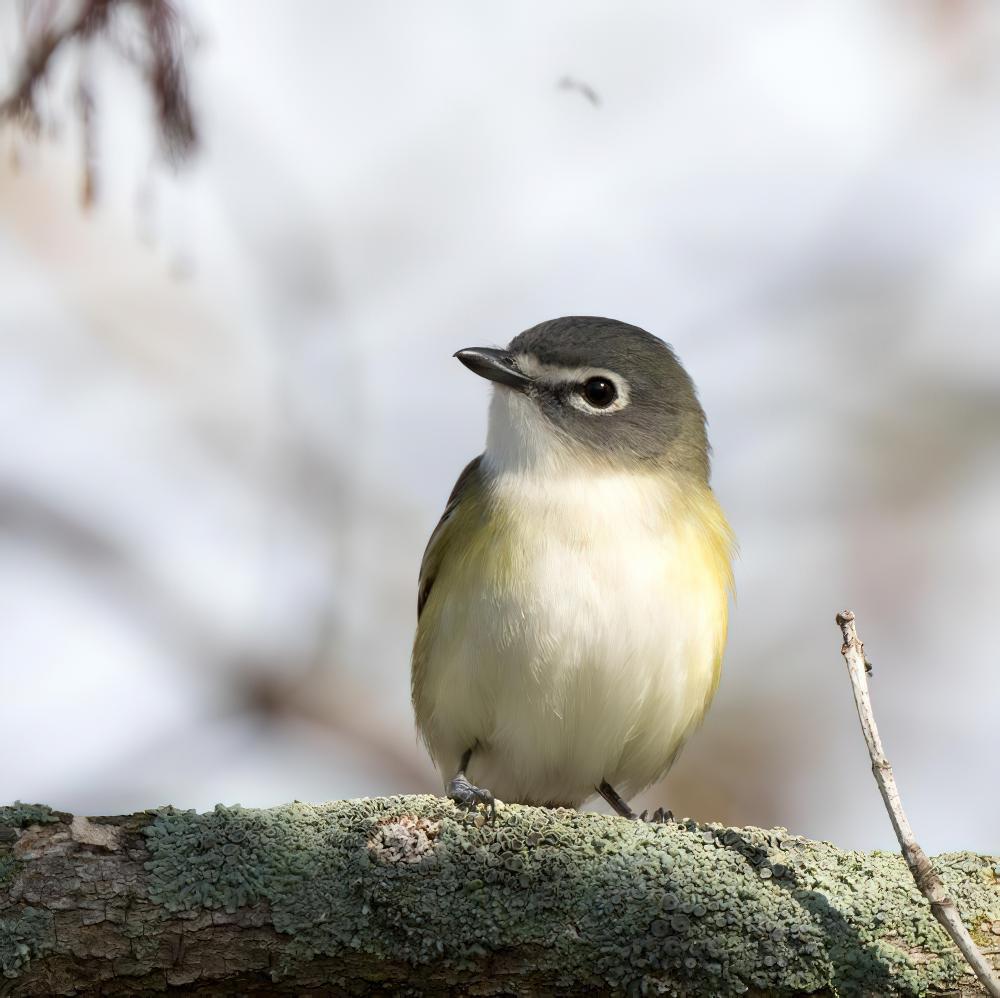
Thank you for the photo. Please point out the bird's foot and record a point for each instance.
(469, 797)
(661, 816)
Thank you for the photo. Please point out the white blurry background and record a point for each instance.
(231, 417)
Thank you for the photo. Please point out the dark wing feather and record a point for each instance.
(429, 564)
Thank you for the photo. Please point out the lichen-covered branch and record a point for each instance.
(408, 894)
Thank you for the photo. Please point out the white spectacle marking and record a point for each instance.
(558, 374)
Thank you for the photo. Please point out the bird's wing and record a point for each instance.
(441, 548)
(434, 551)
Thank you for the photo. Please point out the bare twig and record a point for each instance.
(930, 884)
(85, 101)
(168, 80)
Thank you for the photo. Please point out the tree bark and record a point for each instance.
(408, 895)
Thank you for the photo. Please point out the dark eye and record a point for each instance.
(599, 392)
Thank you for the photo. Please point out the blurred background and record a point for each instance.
(231, 417)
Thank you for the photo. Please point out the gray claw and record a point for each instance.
(469, 797)
(660, 816)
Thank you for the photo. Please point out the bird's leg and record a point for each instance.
(620, 806)
(465, 795)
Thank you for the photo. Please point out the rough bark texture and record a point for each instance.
(406, 895)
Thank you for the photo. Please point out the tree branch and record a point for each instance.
(927, 880)
(378, 896)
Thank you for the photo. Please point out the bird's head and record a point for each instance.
(588, 391)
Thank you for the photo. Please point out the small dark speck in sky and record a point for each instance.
(568, 83)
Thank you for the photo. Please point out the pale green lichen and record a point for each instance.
(623, 905)
(18, 815)
(23, 937)
(27, 932)
(8, 867)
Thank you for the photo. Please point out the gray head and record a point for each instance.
(596, 388)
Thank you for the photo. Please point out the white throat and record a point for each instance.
(521, 441)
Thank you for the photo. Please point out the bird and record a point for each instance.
(573, 600)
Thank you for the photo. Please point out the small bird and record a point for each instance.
(573, 599)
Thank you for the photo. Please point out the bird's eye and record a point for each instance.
(599, 392)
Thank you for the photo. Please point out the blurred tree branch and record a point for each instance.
(250, 681)
(376, 896)
(159, 57)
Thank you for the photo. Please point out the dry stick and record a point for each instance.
(916, 859)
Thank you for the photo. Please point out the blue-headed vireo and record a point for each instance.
(573, 598)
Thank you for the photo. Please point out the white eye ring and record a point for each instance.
(572, 378)
(578, 398)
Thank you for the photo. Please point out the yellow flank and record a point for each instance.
(714, 537)
(464, 540)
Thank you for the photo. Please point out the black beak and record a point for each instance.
(494, 365)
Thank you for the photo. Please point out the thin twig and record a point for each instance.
(927, 880)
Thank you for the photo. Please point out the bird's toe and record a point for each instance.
(661, 816)
(469, 797)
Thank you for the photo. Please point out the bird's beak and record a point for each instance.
(494, 365)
